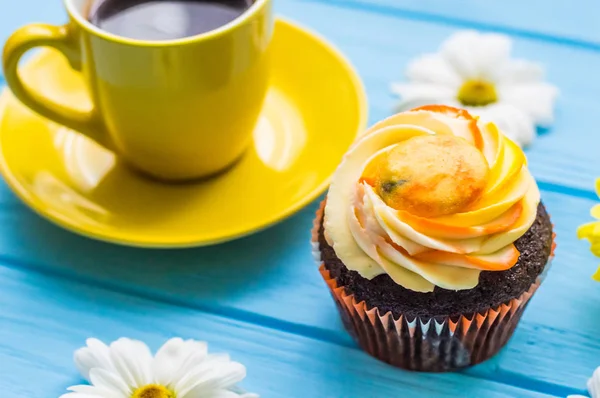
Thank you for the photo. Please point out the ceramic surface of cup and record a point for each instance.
(175, 109)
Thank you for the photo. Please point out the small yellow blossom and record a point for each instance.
(591, 232)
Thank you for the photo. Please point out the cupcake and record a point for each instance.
(432, 239)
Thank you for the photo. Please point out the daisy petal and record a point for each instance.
(174, 355)
(433, 69)
(413, 95)
(535, 99)
(593, 384)
(96, 391)
(94, 355)
(180, 356)
(110, 381)
(83, 391)
(242, 393)
(132, 360)
(198, 352)
(193, 372)
(477, 56)
(214, 394)
(227, 394)
(521, 71)
(514, 123)
(458, 51)
(492, 51)
(82, 388)
(210, 378)
(220, 394)
(167, 359)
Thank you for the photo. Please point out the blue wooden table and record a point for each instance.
(261, 298)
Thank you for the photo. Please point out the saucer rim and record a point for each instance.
(140, 242)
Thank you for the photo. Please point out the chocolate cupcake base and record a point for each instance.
(420, 339)
(428, 344)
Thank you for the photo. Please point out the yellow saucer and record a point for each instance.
(314, 109)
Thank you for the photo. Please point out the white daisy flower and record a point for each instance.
(180, 369)
(475, 71)
(593, 386)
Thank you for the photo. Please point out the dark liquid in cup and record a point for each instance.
(157, 20)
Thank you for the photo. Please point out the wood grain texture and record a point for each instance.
(15, 14)
(573, 23)
(48, 318)
(261, 297)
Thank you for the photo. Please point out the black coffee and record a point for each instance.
(157, 20)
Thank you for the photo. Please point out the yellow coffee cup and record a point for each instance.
(177, 109)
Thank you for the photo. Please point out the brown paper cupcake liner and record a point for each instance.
(435, 344)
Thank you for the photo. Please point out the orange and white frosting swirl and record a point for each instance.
(431, 197)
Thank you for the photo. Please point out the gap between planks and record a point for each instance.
(421, 16)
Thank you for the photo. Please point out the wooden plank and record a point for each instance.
(16, 14)
(569, 22)
(43, 319)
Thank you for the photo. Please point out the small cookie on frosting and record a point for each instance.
(429, 176)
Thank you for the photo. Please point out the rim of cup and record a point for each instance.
(76, 8)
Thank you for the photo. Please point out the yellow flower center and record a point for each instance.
(153, 391)
(477, 93)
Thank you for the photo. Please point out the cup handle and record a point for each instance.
(62, 39)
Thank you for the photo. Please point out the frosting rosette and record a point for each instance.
(431, 197)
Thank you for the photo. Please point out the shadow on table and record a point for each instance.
(274, 259)
(391, 381)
